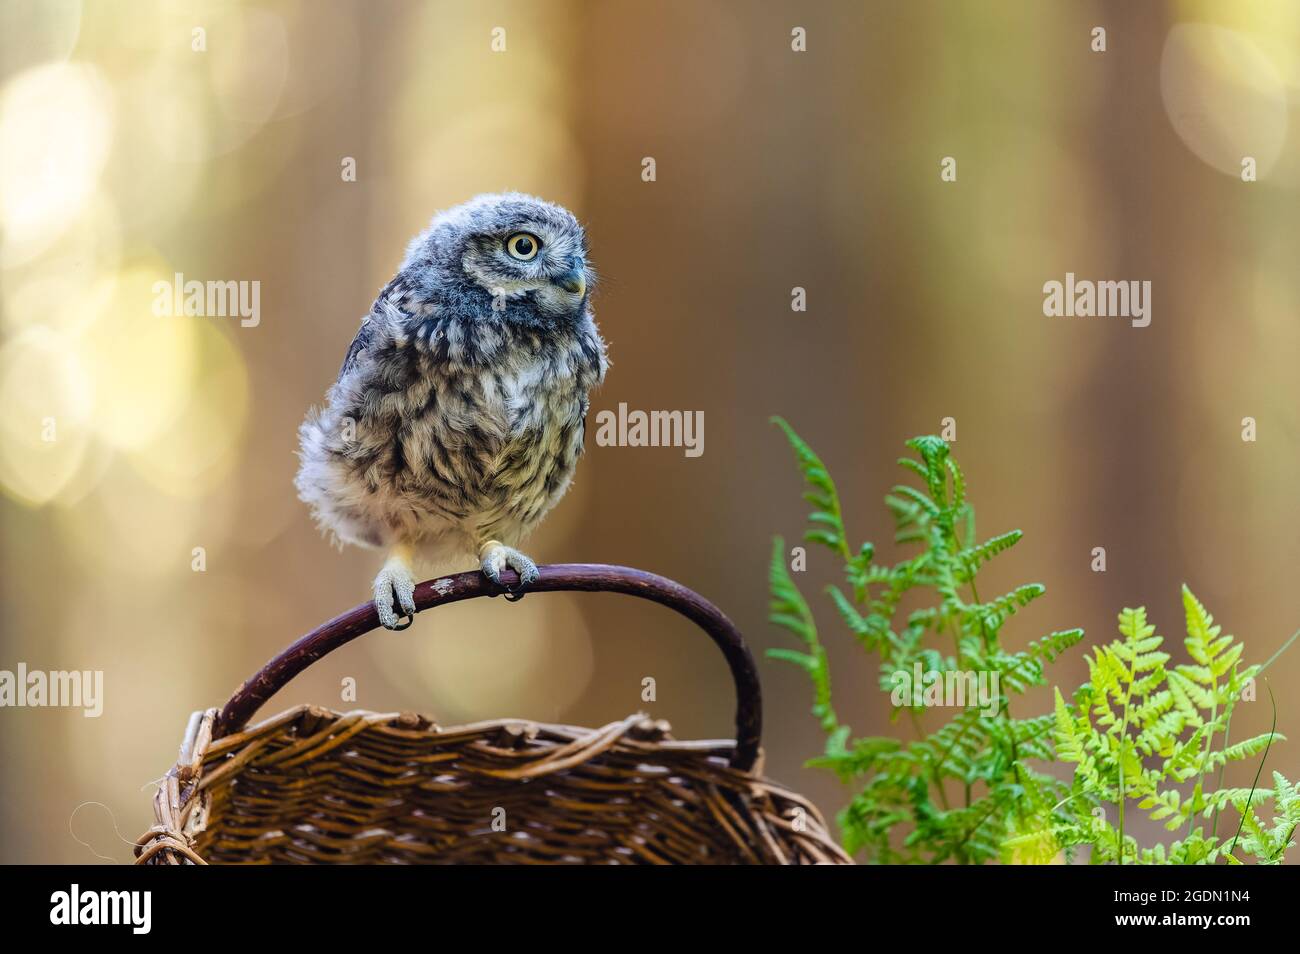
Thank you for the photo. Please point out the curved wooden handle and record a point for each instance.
(583, 577)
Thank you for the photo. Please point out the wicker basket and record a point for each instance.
(313, 786)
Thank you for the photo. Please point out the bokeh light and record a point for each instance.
(47, 401)
(1224, 96)
(56, 125)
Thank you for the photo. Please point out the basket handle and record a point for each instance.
(579, 577)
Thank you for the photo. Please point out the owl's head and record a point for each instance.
(512, 253)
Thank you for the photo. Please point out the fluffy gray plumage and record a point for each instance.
(458, 415)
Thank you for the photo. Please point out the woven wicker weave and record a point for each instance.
(313, 786)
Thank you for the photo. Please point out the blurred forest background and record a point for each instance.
(127, 157)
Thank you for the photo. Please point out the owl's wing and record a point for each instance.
(378, 328)
(593, 349)
(360, 342)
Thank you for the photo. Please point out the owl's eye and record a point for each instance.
(523, 246)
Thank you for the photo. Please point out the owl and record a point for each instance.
(458, 415)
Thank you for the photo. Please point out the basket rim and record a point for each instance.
(640, 725)
(565, 577)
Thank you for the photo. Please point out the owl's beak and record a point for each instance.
(574, 282)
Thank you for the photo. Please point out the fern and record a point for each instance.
(1146, 736)
(963, 790)
(789, 609)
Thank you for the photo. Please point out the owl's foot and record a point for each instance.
(496, 556)
(395, 582)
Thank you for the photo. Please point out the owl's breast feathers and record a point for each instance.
(437, 418)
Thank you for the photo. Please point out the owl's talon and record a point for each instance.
(395, 584)
(497, 556)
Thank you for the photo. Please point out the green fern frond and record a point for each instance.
(952, 637)
(1249, 748)
(790, 610)
(1137, 729)
(971, 559)
(826, 519)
